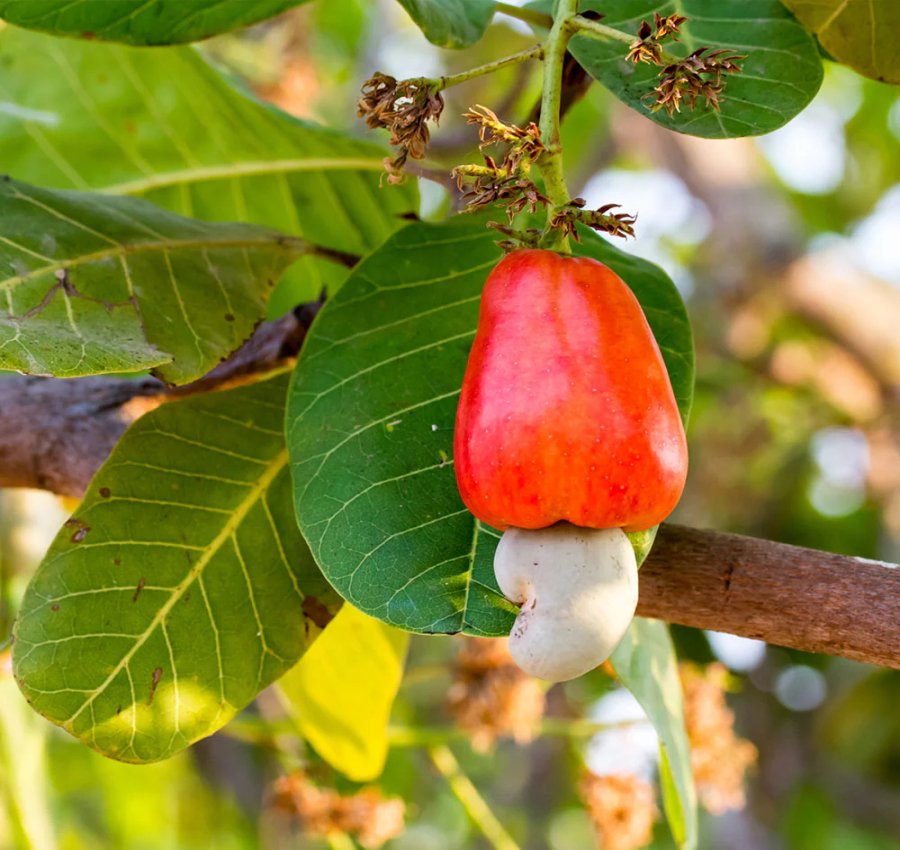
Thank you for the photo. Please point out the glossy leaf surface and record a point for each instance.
(181, 586)
(780, 76)
(370, 425)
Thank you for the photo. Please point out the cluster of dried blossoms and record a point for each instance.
(367, 816)
(491, 697)
(622, 809)
(719, 758)
(615, 224)
(506, 183)
(404, 108)
(701, 75)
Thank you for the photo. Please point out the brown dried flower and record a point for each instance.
(368, 816)
(404, 107)
(719, 758)
(699, 76)
(622, 809)
(615, 224)
(491, 697)
(647, 46)
(525, 142)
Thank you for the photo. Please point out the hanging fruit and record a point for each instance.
(567, 421)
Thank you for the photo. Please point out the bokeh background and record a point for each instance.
(786, 249)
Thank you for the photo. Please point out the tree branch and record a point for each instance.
(56, 434)
(786, 595)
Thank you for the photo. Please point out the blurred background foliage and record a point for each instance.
(787, 251)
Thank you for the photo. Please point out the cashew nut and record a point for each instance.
(578, 590)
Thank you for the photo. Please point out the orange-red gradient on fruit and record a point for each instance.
(566, 412)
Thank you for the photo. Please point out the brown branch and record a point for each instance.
(786, 595)
(56, 434)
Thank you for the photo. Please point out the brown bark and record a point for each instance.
(55, 435)
(786, 595)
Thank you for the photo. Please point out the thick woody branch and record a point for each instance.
(57, 433)
(786, 595)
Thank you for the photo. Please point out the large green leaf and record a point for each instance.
(646, 663)
(181, 586)
(140, 21)
(781, 74)
(451, 23)
(95, 284)
(341, 692)
(165, 125)
(859, 33)
(370, 426)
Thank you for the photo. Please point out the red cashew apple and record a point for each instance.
(566, 419)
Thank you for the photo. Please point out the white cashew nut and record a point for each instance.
(578, 590)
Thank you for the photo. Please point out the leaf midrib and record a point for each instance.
(275, 466)
(163, 246)
(245, 169)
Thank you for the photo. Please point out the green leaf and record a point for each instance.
(780, 76)
(164, 125)
(371, 413)
(860, 34)
(181, 586)
(451, 23)
(141, 22)
(341, 692)
(97, 284)
(645, 662)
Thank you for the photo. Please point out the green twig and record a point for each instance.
(601, 32)
(551, 164)
(441, 83)
(467, 794)
(530, 16)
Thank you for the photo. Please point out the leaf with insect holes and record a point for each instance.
(180, 588)
(370, 422)
(142, 22)
(163, 124)
(93, 284)
(780, 75)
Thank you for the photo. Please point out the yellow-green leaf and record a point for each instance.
(858, 33)
(341, 692)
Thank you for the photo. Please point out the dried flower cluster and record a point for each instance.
(700, 76)
(491, 697)
(506, 183)
(615, 224)
(369, 817)
(404, 107)
(648, 45)
(622, 809)
(719, 758)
